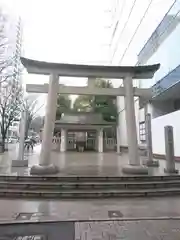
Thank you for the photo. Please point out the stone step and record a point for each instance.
(88, 178)
(106, 193)
(88, 185)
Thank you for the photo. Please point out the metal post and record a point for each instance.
(149, 150)
(169, 149)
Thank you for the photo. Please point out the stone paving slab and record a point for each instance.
(128, 230)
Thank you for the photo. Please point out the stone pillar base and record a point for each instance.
(174, 171)
(153, 163)
(44, 170)
(135, 169)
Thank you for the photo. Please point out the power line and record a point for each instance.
(135, 33)
(120, 14)
(170, 22)
(117, 43)
(147, 9)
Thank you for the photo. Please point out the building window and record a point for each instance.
(142, 131)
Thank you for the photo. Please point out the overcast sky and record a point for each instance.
(76, 31)
(72, 31)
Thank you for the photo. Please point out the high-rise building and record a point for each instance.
(11, 31)
(18, 49)
(14, 36)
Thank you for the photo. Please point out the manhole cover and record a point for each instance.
(115, 214)
(24, 216)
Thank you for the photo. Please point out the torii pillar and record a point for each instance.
(134, 166)
(45, 166)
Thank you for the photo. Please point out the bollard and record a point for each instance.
(149, 162)
(169, 149)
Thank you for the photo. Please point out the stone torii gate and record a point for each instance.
(56, 70)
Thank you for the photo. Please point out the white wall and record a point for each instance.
(158, 124)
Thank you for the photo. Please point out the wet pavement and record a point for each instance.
(154, 218)
(75, 164)
(136, 219)
(35, 210)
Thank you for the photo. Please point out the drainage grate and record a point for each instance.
(115, 214)
(24, 216)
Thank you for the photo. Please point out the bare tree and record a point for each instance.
(31, 108)
(11, 103)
